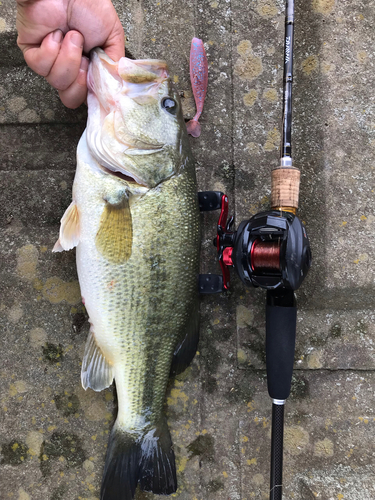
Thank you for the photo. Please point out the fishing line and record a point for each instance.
(265, 255)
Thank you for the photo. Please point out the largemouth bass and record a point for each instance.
(135, 223)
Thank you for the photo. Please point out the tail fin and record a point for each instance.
(132, 458)
(158, 468)
(121, 470)
(193, 128)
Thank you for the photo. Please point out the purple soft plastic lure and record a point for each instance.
(199, 81)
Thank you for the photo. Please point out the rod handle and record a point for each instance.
(285, 188)
(281, 323)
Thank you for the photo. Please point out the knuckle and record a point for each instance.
(60, 77)
(39, 65)
(57, 84)
(38, 68)
(42, 71)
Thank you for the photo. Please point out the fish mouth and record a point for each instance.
(135, 77)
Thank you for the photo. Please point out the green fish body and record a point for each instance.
(135, 222)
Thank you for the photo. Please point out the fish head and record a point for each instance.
(135, 123)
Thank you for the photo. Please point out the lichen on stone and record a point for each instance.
(14, 453)
(248, 66)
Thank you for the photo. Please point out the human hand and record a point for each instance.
(54, 34)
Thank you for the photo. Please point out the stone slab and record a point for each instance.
(35, 147)
(219, 410)
(27, 98)
(35, 198)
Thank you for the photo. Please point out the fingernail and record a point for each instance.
(77, 40)
(84, 63)
(57, 36)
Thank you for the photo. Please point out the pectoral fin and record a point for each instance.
(69, 230)
(96, 372)
(115, 235)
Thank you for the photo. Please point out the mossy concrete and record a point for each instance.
(53, 434)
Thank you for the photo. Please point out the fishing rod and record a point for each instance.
(271, 250)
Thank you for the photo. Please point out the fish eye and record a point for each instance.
(169, 105)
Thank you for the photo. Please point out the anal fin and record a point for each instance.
(96, 372)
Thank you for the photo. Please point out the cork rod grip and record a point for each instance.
(285, 188)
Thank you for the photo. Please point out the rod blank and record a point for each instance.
(286, 148)
(276, 486)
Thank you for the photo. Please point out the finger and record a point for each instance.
(114, 46)
(66, 67)
(76, 94)
(42, 57)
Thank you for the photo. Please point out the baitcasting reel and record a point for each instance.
(271, 250)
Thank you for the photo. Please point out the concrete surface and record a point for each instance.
(52, 433)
